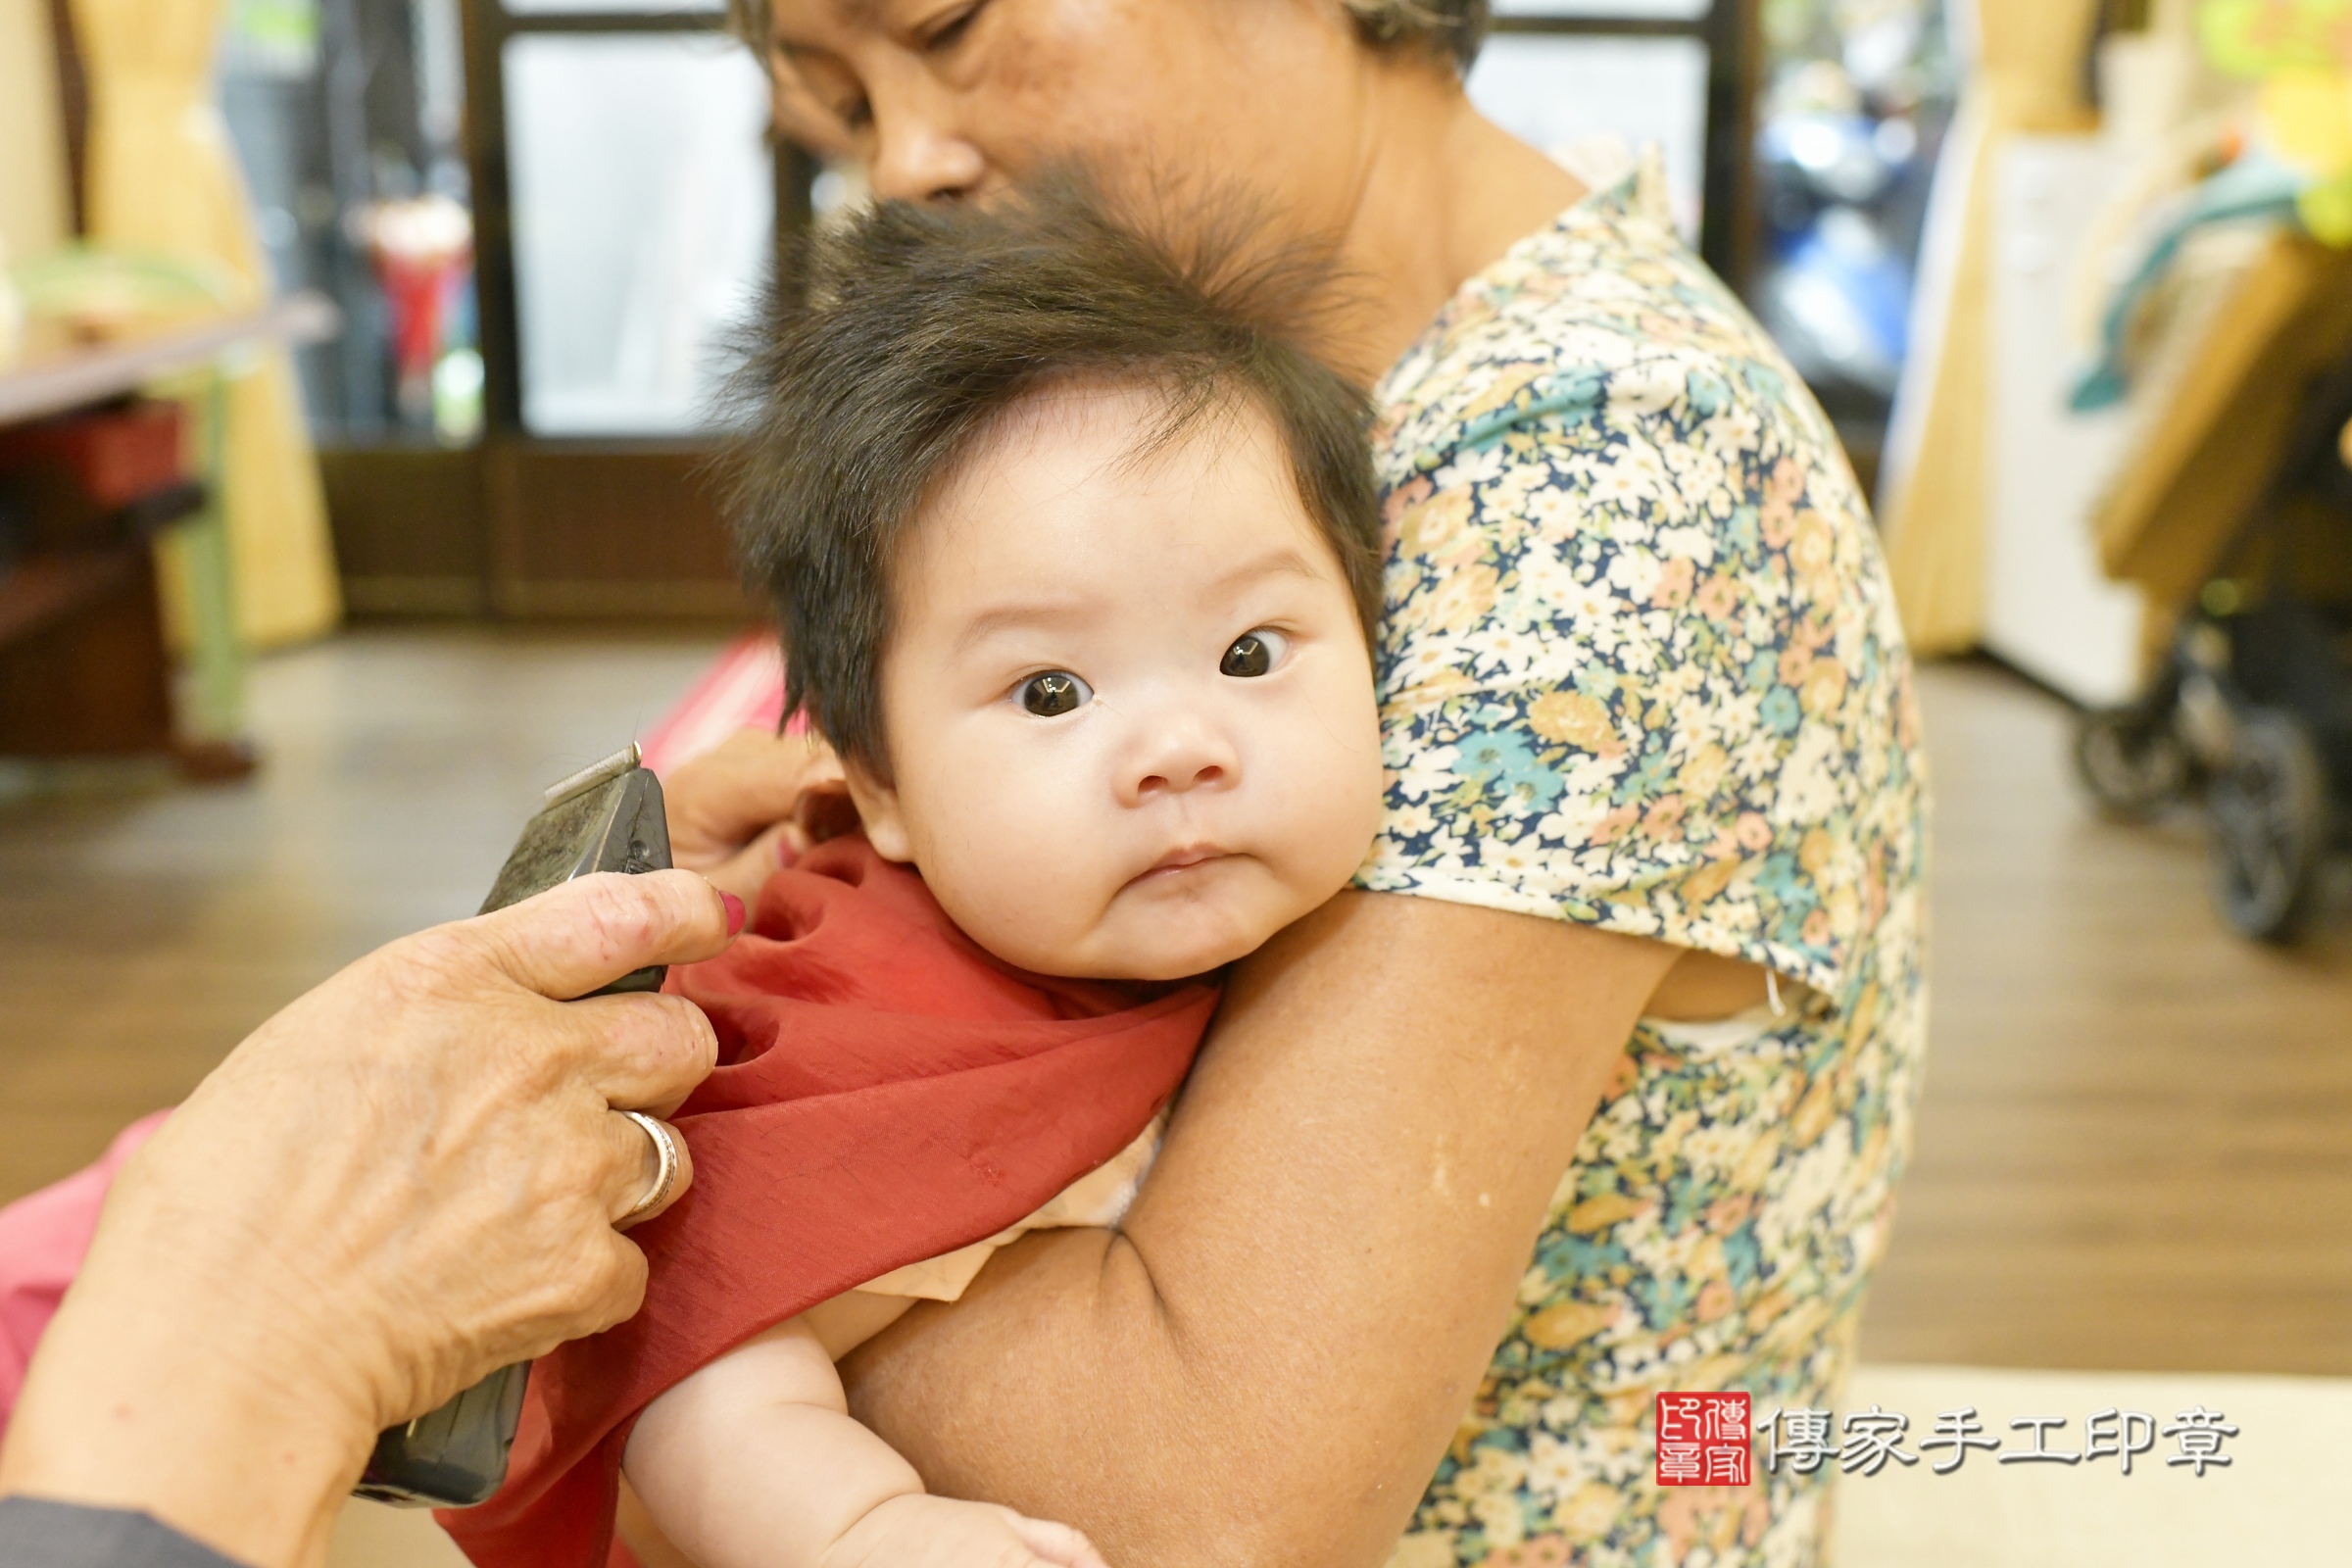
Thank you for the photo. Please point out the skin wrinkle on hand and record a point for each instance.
(336, 1265)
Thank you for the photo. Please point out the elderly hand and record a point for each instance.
(756, 802)
(406, 1178)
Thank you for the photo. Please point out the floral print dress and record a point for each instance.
(1641, 670)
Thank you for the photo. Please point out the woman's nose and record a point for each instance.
(919, 159)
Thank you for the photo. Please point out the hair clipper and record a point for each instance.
(604, 819)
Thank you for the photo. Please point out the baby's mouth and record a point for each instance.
(1180, 860)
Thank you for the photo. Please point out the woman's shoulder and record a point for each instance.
(1601, 319)
(1640, 664)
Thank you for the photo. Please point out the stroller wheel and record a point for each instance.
(2133, 764)
(2269, 825)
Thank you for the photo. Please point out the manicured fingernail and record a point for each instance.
(785, 855)
(734, 911)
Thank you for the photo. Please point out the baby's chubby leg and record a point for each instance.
(754, 1462)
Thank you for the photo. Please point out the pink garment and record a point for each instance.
(43, 1238)
(743, 689)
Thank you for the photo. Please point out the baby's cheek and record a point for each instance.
(1023, 885)
(1003, 913)
(1330, 806)
(1330, 848)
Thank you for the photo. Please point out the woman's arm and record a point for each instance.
(1265, 1365)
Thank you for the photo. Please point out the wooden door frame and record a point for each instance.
(592, 525)
(648, 538)
(1728, 30)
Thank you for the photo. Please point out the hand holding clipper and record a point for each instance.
(609, 817)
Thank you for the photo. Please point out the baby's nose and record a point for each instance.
(1182, 754)
(1177, 778)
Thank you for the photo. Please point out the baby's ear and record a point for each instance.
(877, 806)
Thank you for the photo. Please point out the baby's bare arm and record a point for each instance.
(755, 1459)
(754, 1462)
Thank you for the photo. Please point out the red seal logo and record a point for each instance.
(1702, 1440)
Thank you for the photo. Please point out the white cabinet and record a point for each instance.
(2047, 609)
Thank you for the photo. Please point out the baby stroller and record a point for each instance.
(2252, 710)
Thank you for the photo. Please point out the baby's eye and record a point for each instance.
(1253, 653)
(1056, 691)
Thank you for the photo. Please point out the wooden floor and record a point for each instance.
(2135, 1149)
(2136, 1142)
(145, 927)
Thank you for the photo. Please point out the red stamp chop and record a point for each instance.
(1702, 1440)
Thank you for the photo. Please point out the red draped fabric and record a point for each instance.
(887, 1092)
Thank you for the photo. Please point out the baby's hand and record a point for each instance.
(919, 1531)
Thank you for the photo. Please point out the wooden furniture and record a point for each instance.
(2194, 475)
(54, 376)
(83, 662)
(525, 528)
(529, 523)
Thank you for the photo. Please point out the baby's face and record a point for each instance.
(1129, 707)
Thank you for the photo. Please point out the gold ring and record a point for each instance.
(666, 1144)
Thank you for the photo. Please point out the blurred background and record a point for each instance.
(537, 219)
(355, 390)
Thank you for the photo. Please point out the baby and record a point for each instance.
(1076, 560)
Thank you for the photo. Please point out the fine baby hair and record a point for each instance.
(923, 326)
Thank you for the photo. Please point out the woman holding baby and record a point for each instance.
(1589, 1083)
(1598, 1082)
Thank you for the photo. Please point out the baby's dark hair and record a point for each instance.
(922, 328)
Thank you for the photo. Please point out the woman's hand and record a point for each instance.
(1265, 1364)
(406, 1180)
(758, 802)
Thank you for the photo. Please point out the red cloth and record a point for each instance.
(888, 1092)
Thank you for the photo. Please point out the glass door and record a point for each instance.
(1566, 75)
(628, 195)
(628, 183)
